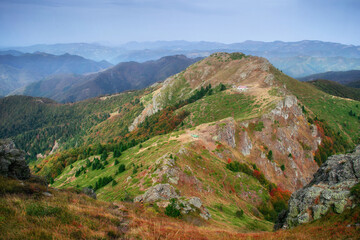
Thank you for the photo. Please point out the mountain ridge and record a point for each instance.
(123, 76)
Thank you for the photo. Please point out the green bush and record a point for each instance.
(171, 209)
(121, 169)
(282, 167)
(239, 167)
(270, 155)
(239, 213)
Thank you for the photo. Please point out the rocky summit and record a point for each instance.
(329, 190)
(12, 161)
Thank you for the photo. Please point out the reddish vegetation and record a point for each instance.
(331, 142)
(279, 194)
(257, 174)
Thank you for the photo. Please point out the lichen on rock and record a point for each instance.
(329, 190)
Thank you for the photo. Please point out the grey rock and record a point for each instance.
(12, 161)
(226, 133)
(47, 194)
(330, 188)
(166, 192)
(158, 192)
(90, 192)
(195, 201)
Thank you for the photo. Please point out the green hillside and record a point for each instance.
(227, 130)
(336, 89)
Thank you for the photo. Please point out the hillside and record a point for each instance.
(343, 77)
(37, 124)
(336, 89)
(225, 142)
(122, 77)
(20, 70)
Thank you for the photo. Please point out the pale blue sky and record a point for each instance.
(27, 22)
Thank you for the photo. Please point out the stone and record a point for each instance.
(318, 211)
(195, 201)
(12, 161)
(330, 188)
(47, 194)
(90, 192)
(158, 192)
(340, 206)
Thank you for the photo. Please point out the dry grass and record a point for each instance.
(27, 214)
(149, 225)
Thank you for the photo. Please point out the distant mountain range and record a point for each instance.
(122, 77)
(18, 70)
(348, 78)
(297, 59)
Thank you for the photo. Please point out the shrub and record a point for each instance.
(171, 209)
(270, 155)
(121, 168)
(114, 183)
(239, 213)
(282, 167)
(102, 182)
(239, 167)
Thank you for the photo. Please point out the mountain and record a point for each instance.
(18, 71)
(336, 89)
(11, 52)
(354, 84)
(301, 48)
(95, 52)
(297, 59)
(124, 76)
(301, 66)
(216, 149)
(343, 77)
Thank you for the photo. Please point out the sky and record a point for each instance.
(112, 22)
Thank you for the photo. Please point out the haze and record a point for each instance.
(24, 22)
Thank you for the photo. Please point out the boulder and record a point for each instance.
(12, 161)
(158, 192)
(90, 192)
(329, 189)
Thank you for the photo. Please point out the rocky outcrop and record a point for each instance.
(160, 194)
(90, 192)
(12, 161)
(330, 189)
(226, 133)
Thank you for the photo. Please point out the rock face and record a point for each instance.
(330, 189)
(162, 193)
(90, 192)
(12, 161)
(158, 192)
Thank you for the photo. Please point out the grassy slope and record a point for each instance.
(25, 213)
(35, 123)
(333, 109)
(219, 106)
(336, 89)
(226, 187)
